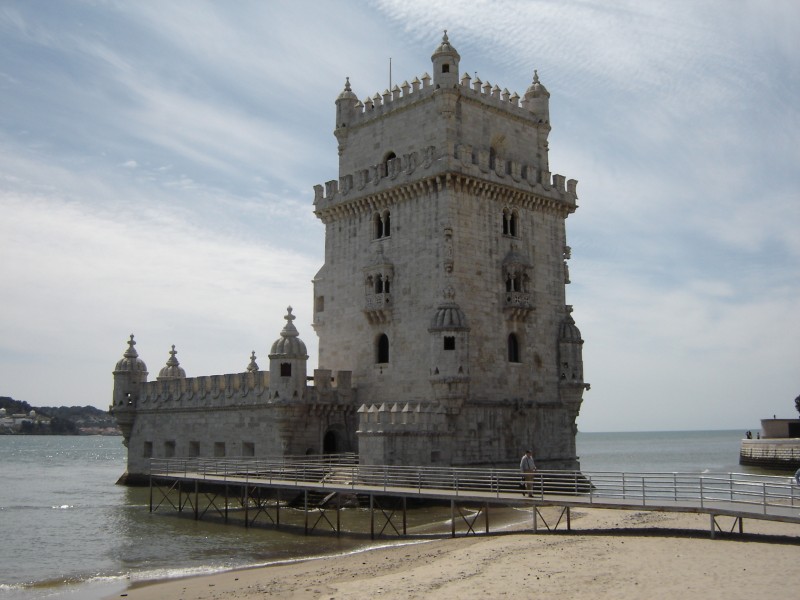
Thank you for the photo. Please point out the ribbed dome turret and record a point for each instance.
(173, 369)
(536, 89)
(537, 99)
(289, 345)
(347, 93)
(570, 331)
(448, 314)
(445, 64)
(130, 361)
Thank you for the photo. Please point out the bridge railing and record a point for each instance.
(645, 489)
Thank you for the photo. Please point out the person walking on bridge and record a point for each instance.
(527, 467)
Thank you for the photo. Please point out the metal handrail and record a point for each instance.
(639, 488)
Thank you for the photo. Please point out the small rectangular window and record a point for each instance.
(449, 342)
(248, 449)
(169, 449)
(219, 449)
(194, 449)
(445, 68)
(320, 304)
(148, 450)
(286, 369)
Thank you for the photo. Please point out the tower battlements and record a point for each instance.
(420, 418)
(406, 94)
(463, 159)
(232, 389)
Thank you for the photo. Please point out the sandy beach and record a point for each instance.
(608, 554)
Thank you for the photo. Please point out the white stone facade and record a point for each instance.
(441, 304)
(445, 197)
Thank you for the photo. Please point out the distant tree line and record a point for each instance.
(64, 420)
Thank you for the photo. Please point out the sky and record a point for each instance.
(157, 162)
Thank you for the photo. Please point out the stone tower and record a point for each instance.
(443, 288)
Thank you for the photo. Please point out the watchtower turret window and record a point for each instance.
(382, 348)
(445, 68)
(382, 225)
(449, 342)
(286, 369)
(513, 348)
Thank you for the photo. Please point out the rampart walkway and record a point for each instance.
(259, 487)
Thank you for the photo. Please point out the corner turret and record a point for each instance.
(130, 374)
(445, 64)
(346, 111)
(288, 363)
(537, 99)
(570, 352)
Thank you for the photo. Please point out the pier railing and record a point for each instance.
(754, 494)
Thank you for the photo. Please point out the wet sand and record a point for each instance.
(608, 554)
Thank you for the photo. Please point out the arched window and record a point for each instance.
(379, 285)
(492, 157)
(510, 222)
(382, 225)
(382, 348)
(387, 229)
(286, 369)
(513, 348)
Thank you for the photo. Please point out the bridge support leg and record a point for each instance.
(569, 523)
(713, 525)
(453, 518)
(535, 520)
(226, 503)
(278, 509)
(305, 511)
(151, 493)
(486, 514)
(371, 517)
(196, 500)
(246, 502)
(404, 515)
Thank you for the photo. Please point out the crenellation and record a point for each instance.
(464, 157)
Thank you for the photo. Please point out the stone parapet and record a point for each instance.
(397, 418)
(377, 185)
(407, 94)
(235, 389)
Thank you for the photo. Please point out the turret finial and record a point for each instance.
(347, 84)
(172, 361)
(535, 76)
(253, 366)
(131, 351)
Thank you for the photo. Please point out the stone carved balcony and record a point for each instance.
(517, 305)
(378, 307)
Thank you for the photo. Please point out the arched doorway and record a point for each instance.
(331, 442)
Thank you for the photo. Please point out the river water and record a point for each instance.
(68, 532)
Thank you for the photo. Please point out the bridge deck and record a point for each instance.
(733, 495)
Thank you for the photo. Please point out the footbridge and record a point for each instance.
(258, 489)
